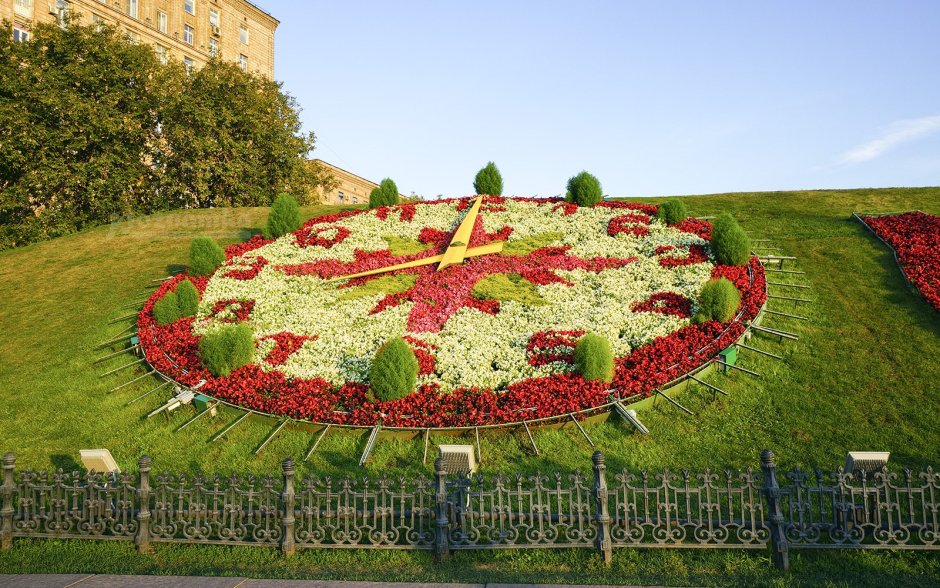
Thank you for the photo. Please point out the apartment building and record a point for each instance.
(191, 31)
(349, 188)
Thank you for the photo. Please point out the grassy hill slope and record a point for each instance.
(863, 376)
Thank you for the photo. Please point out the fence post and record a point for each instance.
(778, 539)
(142, 540)
(604, 545)
(6, 513)
(288, 546)
(442, 540)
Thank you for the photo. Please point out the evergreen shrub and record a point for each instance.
(584, 190)
(593, 358)
(718, 301)
(394, 371)
(672, 212)
(205, 255)
(489, 181)
(730, 243)
(284, 217)
(227, 349)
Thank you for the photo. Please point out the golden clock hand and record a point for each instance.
(457, 249)
(494, 247)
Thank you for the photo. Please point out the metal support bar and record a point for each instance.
(317, 442)
(116, 340)
(427, 441)
(145, 394)
(190, 421)
(760, 240)
(370, 444)
(795, 316)
(789, 298)
(674, 403)
(739, 368)
(131, 382)
(122, 318)
(136, 304)
(783, 334)
(218, 435)
(782, 271)
(531, 439)
(129, 327)
(801, 286)
(580, 428)
(476, 431)
(127, 365)
(761, 351)
(271, 436)
(707, 385)
(110, 355)
(779, 257)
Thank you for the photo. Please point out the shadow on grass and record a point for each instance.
(66, 463)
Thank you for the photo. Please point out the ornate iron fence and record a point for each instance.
(740, 510)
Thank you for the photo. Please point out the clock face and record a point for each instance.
(494, 334)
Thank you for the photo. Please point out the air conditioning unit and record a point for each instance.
(216, 30)
(52, 9)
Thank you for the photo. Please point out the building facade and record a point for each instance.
(191, 31)
(349, 188)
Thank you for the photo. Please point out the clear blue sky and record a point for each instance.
(654, 98)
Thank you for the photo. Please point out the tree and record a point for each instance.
(78, 115)
(385, 195)
(230, 138)
(489, 181)
(584, 190)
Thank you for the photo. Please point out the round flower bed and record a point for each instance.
(494, 336)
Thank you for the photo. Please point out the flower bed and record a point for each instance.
(487, 355)
(915, 238)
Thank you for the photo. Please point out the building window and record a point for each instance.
(20, 34)
(98, 22)
(188, 34)
(132, 8)
(189, 6)
(214, 17)
(162, 22)
(339, 197)
(61, 12)
(134, 38)
(243, 35)
(213, 47)
(355, 200)
(188, 63)
(161, 52)
(23, 7)
(243, 62)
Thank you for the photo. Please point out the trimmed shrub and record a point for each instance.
(584, 190)
(166, 310)
(205, 255)
(489, 181)
(394, 371)
(730, 243)
(187, 298)
(672, 212)
(718, 301)
(227, 349)
(385, 195)
(284, 217)
(593, 358)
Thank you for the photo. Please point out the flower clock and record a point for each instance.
(491, 293)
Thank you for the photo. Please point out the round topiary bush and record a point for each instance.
(284, 217)
(187, 298)
(594, 359)
(166, 310)
(672, 212)
(205, 255)
(718, 301)
(394, 371)
(489, 181)
(730, 243)
(385, 195)
(227, 349)
(584, 190)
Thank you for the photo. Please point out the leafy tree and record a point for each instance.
(672, 211)
(730, 243)
(718, 301)
(489, 181)
(385, 195)
(79, 109)
(284, 217)
(205, 255)
(584, 190)
(394, 371)
(227, 349)
(230, 138)
(593, 358)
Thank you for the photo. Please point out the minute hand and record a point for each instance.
(457, 249)
(494, 247)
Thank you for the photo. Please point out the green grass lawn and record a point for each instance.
(862, 377)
